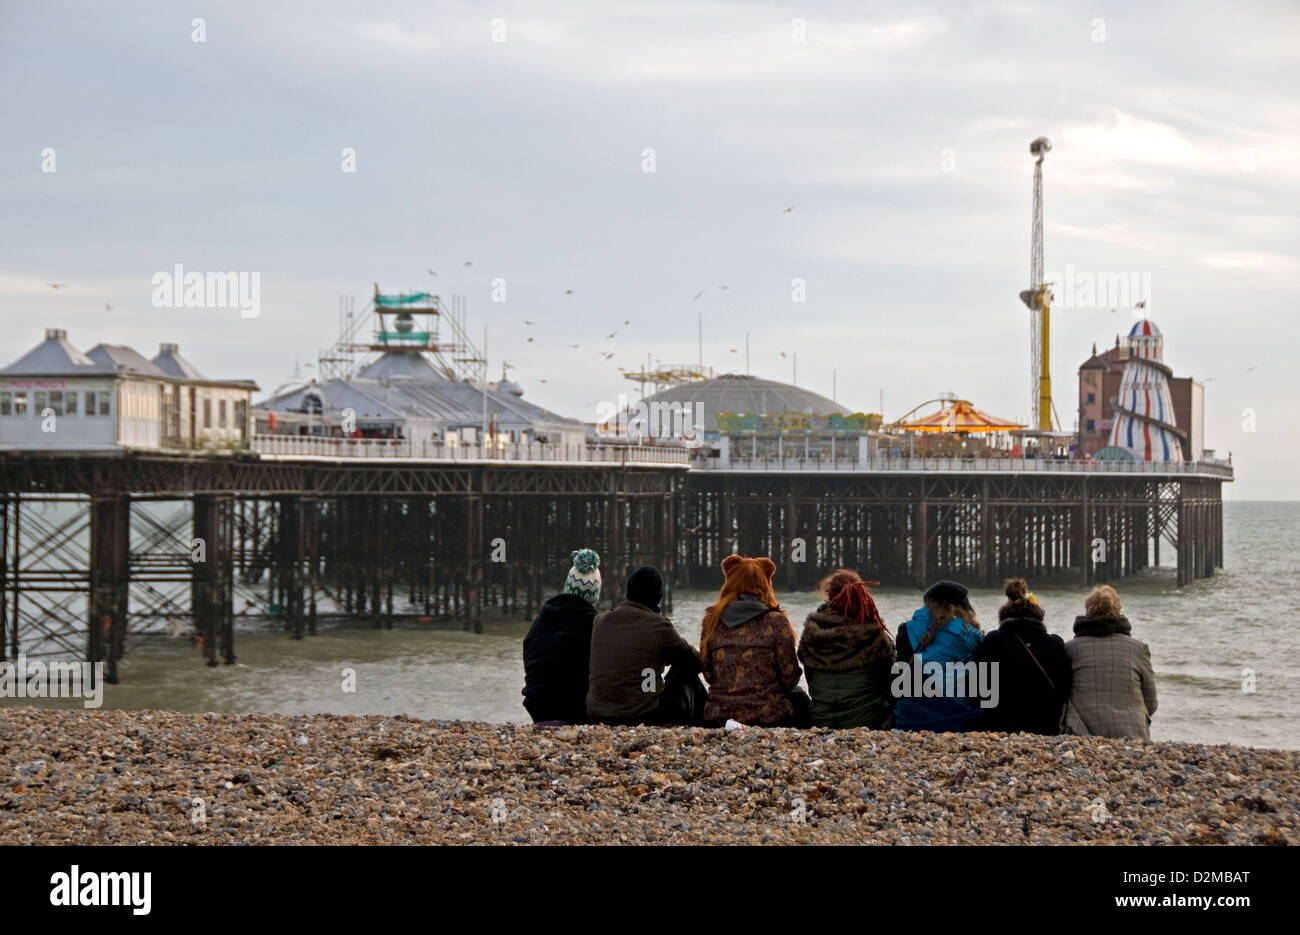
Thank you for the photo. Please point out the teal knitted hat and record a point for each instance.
(584, 576)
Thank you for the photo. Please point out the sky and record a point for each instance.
(857, 176)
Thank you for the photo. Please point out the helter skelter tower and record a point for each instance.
(1144, 423)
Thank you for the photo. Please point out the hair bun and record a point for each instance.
(1016, 589)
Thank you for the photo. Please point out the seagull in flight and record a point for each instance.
(610, 336)
(697, 295)
(788, 210)
(527, 322)
(432, 273)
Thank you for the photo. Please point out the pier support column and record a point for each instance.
(1085, 534)
(5, 501)
(290, 564)
(110, 547)
(474, 545)
(921, 543)
(983, 562)
(212, 577)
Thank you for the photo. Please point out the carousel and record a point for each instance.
(956, 430)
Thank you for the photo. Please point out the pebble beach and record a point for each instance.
(116, 777)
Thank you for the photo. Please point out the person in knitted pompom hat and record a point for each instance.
(557, 649)
(584, 576)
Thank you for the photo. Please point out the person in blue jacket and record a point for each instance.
(943, 631)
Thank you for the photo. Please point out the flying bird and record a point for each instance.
(783, 353)
(527, 322)
(108, 307)
(627, 322)
(610, 336)
(469, 262)
(57, 285)
(733, 350)
(788, 210)
(1142, 304)
(568, 292)
(575, 345)
(697, 295)
(530, 340)
(723, 287)
(432, 273)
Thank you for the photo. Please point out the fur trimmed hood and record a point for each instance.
(830, 643)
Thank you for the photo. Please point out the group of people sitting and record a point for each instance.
(629, 665)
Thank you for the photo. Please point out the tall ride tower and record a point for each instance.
(1038, 298)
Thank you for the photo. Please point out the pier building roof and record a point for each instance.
(404, 386)
(56, 357)
(122, 359)
(743, 394)
(53, 356)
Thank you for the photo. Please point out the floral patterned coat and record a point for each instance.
(750, 668)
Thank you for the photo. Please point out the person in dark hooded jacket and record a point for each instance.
(558, 646)
(848, 657)
(1033, 670)
(630, 647)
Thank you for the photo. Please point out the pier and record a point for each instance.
(100, 549)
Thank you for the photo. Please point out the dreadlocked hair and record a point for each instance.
(846, 593)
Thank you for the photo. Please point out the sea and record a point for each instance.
(1226, 650)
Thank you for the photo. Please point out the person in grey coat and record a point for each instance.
(1113, 693)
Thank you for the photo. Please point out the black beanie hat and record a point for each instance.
(646, 586)
(949, 592)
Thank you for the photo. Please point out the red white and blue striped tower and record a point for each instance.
(1144, 423)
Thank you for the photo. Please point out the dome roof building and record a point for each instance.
(743, 395)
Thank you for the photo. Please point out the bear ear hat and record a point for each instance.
(768, 566)
(730, 562)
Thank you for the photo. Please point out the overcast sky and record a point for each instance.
(898, 133)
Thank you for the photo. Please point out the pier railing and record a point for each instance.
(950, 465)
(325, 448)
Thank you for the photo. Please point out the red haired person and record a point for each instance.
(747, 651)
(848, 657)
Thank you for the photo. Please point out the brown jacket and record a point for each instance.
(625, 643)
(750, 667)
(1114, 689)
